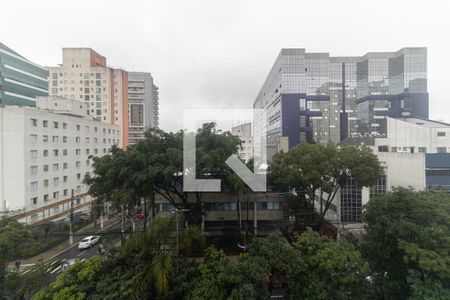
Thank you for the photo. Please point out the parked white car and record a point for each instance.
(89, 241)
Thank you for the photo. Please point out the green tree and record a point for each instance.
(310, 168)
(328, 269)
(222, 279)
(155, 166)
(407, 243)
(16, 242)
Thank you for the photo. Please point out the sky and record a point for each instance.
(218, 53)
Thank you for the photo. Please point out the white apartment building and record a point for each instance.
(45, 153)
(143, 101)
(244, 132)
(84, 76)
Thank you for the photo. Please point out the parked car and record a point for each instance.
(89, 241)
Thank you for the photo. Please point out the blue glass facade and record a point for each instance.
(20, 79)
(312, 97)
(438, 171)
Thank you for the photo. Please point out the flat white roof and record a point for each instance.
(426, 123)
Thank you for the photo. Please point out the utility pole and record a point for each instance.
(71, 219)
(176, 211)
(145, 214)
(122, 229)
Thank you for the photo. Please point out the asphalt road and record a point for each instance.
(110, 237)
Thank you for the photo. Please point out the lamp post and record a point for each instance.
(71, 219)
(176, 211)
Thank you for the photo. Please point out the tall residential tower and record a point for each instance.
(84, 76)
(143, 100)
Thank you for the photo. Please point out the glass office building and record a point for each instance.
(20, 79)
(391, 84)
(313, 97)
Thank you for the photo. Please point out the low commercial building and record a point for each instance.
(414, 153)
(45, 153)
(259, 213)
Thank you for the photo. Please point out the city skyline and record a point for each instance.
(223, 55)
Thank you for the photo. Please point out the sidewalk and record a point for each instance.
(55, 251)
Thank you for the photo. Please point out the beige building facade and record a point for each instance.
(85, 76)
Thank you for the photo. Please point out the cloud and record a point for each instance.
(216, 53)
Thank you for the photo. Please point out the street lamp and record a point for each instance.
(176, 211)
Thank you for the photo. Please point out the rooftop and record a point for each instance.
(426, 123)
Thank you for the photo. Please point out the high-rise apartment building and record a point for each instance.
(21, 80)
(244, 132)
(143, 101)
(84, 76)
(313, 97)
(45, 153)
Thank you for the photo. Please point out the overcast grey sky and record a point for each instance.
(218, 53)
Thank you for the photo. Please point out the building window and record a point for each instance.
(77, 151)
(441, 133)
(65, 192)
(64, 139)
(55, 181)
(65, 178)
(383, 148)
(34, 122)
(45, 168)
(393, 149)
(33, 170)
(55, 139)
(34, 185)
(33, 153)
(78, 176)
(78, 127)
(55, 195)
(65, 165)
(78, 164)
(46, 198)
(351, 202)
(422, 149)
(45, 123)
(64, 125)
(55, 152)
(65, 152)
(55, 167)
(45, 153)
(438, 172)
(379, 187)
(34, 200)
(33, 138)
(55, 125)
(441, 150)
(45, 138)
(45, 182)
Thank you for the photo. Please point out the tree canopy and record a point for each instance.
(407, 243)
(309, 168)
(155, 165)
